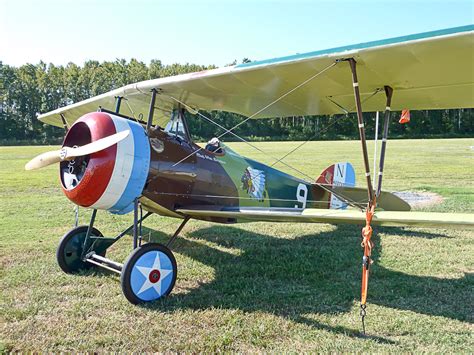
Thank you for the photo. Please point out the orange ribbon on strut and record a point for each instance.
(367, 245)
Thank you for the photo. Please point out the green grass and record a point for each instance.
(250, 287)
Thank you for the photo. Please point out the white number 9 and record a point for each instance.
(301, 195)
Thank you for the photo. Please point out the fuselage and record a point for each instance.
(167, 171)
(181, 177)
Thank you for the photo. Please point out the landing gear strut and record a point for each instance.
(149, 272)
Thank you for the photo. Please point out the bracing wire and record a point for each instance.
(252, 177)
(242, 139)
(319, 133)
(357, 204)
(263, 108)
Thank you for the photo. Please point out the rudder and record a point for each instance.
(338, 174)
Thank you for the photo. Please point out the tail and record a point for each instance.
(339, 181)
(339, 174)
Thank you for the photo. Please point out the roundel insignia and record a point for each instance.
(152, 275)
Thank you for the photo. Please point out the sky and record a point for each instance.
(208, 31)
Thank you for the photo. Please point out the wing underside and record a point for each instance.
(427, 71)
(381, 218)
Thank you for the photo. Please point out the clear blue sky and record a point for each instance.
(207, 32)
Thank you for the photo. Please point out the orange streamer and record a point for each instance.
(367, 245)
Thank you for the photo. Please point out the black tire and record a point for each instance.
(70, 247)
(157, 281)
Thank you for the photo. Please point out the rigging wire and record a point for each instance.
(346, 111)
(244, 140)
(130, 108)
(357, 203)
(319, 133)
(264, 108)
(252, 177)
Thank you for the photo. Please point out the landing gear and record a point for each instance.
(149, 273)
(71, 247)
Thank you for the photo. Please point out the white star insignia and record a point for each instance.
(146, 272)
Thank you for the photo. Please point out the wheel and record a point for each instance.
(70, 247)
(149, 273)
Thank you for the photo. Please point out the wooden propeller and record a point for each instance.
(69, 153)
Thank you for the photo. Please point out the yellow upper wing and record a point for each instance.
(432, 70)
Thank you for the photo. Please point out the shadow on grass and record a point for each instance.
(317, 273)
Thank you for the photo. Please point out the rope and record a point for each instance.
(263, 109)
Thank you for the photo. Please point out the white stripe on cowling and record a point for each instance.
(122, 168)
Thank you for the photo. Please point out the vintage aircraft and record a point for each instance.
(130, 149)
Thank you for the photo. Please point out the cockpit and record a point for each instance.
(177, 127)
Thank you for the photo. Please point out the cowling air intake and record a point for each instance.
(112, 178)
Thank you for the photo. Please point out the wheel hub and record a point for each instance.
(154, 276)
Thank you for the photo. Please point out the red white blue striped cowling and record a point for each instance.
(115, 176)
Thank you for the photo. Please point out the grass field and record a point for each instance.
(249, 287)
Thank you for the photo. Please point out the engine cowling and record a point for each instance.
(112, 178)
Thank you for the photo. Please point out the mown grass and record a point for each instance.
(250, 287)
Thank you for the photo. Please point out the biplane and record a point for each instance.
(130, 150)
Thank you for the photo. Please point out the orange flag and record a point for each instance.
(405, 117)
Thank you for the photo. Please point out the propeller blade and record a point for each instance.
(96, 146)
(69, 153)
(43, 160)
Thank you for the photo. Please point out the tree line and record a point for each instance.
(30, 89)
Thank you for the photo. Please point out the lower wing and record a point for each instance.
(311, 215)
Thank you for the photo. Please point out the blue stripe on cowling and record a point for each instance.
(141, 165)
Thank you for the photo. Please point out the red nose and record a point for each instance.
(85, 179)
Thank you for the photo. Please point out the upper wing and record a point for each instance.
(311, 215)
(432, 70)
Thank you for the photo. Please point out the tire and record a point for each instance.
(69, 250)
(149, 273)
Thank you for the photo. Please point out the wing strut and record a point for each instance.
(360, 119)
(367, 244)
(388, 93)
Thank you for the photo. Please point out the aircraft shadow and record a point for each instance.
(317, 273)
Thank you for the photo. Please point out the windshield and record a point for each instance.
(176, 126)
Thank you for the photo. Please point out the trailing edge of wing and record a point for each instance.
(431, 70)
(382, 218)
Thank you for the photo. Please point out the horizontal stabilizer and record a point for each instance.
(310, 215)
(358, 196)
